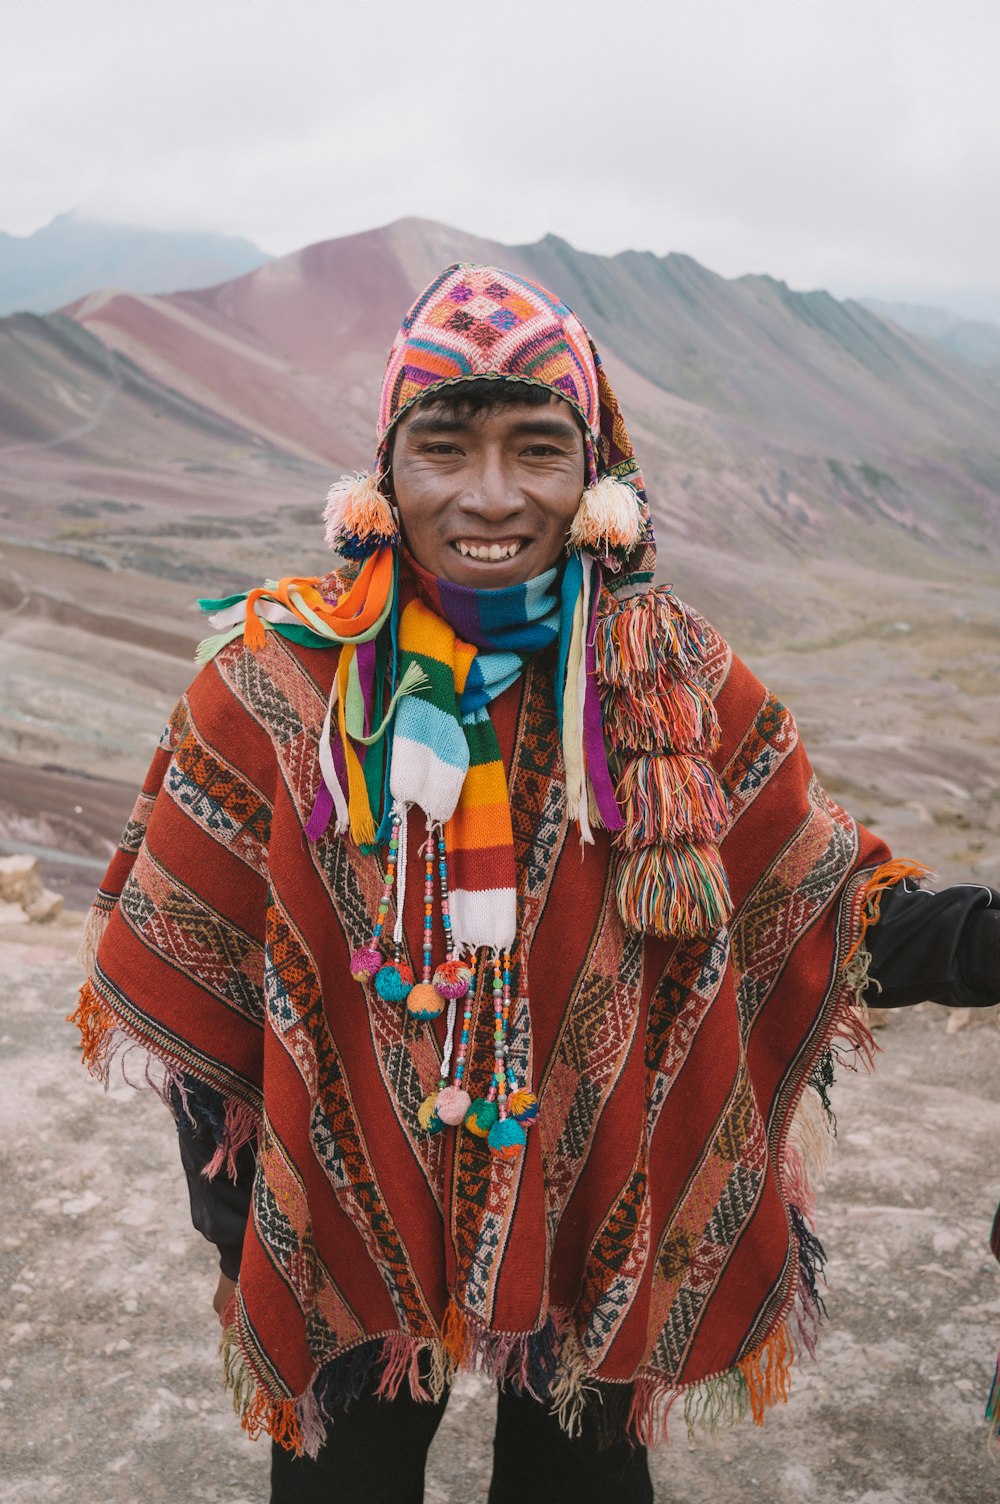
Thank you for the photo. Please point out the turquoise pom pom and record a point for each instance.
(393, 982)
(507, 1138)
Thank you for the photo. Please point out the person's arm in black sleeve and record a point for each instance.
(220, 1206)
(935, 947)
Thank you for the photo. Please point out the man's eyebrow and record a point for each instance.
(540, 427)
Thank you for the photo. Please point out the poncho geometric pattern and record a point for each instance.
(657, 1227)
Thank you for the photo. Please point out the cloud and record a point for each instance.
(827, 141)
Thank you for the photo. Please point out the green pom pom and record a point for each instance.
(481, 1116)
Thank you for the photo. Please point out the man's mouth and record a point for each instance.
(488, 552)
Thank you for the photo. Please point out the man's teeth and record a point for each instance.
(491, 551)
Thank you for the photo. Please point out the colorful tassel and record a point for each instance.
(452, 1104)
(481, 1116)
(394, 981)
(423, 1001)
(667, 715)
(453, 978)
(681, 889)
(632, 641)
(507, 1138)
(523, 1106)
(427, 1116)
(357, 517)
(670, 798)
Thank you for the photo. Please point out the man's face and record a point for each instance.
(488, 502)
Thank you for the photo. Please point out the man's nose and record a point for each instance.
(492, 491)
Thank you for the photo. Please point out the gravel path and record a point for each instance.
(111, 1389)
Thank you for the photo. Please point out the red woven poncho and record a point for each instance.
(654, 1227)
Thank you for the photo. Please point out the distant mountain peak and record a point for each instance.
(74, 254)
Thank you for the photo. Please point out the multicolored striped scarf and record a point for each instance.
(446, 759)
(408, 723)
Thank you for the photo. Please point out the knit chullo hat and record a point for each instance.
(633, 683)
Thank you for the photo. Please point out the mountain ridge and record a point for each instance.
(72, 254)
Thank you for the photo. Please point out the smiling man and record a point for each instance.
(488, 488)
(495, 939)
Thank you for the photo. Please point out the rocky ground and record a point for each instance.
(110, 1387)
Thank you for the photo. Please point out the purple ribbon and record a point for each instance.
(593, 726)
(321, 812)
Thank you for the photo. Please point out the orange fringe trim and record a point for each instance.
(275, 1418)
(96, 1024)
(768, 1373)
(455, 1337)
(883, 878)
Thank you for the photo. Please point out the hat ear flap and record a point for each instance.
(357, 518)
(609, 517)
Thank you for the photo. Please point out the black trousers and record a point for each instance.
(376, 1452)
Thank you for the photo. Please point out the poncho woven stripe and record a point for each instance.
(645, 1233)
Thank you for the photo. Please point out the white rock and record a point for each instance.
(47, 905)
(20, 880)
(77, 1205)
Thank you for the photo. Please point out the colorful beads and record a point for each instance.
(365, 962)
(507, 1138)
(452, 1105)
(453, 978)
(523, 1106)
(423, 1001)
(481, 1117)
(393, 981)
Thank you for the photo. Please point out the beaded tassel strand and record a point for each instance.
(393, 978)
(507, 1137)
(451, 981)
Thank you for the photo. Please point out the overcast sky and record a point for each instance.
(842, 143)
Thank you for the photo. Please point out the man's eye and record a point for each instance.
(441, 447)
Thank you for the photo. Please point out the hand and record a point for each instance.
(223, 1294)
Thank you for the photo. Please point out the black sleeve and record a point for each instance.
(219, 1207)
(936, 947)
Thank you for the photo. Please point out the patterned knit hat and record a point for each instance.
(478, 322)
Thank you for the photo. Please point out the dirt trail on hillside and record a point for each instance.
(110, 1389)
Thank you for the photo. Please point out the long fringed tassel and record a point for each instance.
(993, 1411)
(259, 1413)
(97, 1025)
(768, 1372)
(645, 718)
(680, 889)
(880, 881)
(631, 641)
(242, 1124)
(572, 1384)
(671, 797)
